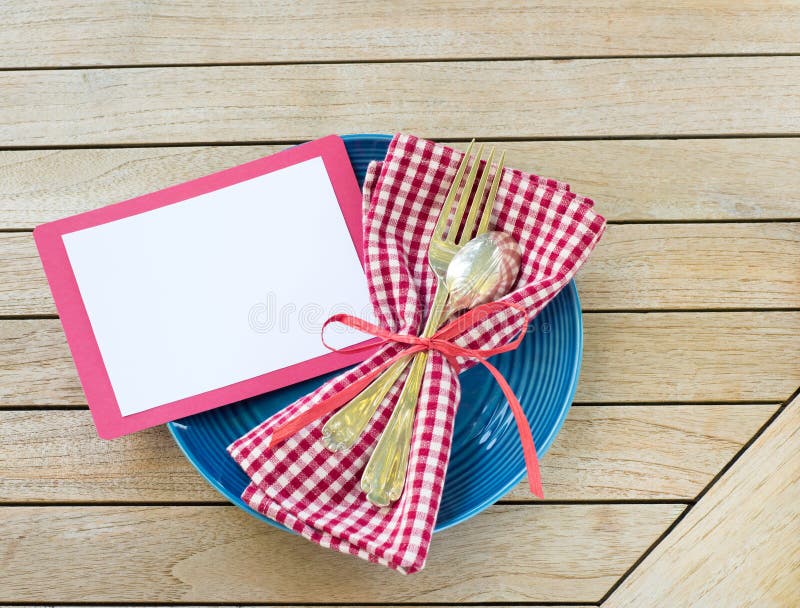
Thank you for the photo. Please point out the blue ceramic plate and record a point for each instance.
(486, 459)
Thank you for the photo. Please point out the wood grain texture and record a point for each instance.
(122, 32)
(56, 456)
(644, 267)
(520, 99)
(23, 285)
(628, 357)
(690, 179)
(644, 452)
(690, 356)
(740, 545)
(219, 554)
(601, 453)
(693, 266)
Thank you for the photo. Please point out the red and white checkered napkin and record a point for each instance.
(315, 492)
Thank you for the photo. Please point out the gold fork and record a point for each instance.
(384, 476)
(345, 427)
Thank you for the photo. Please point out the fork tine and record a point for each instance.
(487, 211)
(480, 192)
(465, 198)
(444, 214)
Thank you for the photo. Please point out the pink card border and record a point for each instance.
(80, 336)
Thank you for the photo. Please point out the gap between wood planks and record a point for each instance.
(655, 222)
(604, 311)
(305, 604)
(493, 604)
(702, 493)
(432, 59)
(443, 140)
(643, 311)
(225, 503)
(74, 408)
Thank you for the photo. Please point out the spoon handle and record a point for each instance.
(385, 474)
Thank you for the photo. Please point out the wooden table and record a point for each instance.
(676, 478)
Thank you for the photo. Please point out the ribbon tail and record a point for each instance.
(525, 435)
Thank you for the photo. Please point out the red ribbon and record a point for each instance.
(441, 341)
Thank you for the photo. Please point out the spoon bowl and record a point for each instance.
(484, 270)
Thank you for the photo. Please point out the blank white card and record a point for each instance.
(219, 288)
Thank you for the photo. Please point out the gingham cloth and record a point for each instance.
(315, 492)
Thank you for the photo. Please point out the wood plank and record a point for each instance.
(610, 97)
(37, 186)
(684, 179)
(644, 267)
(740, 545)
(678, 357)
(610, 452)
(566, 553)
(35, 359)
(628, 357)
(99, 32)
(23, 286)
(41, 462)
(602, 453)
(693, 266)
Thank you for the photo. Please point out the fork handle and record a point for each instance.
(385, 474)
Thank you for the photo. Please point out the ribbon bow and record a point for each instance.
(441, 341)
